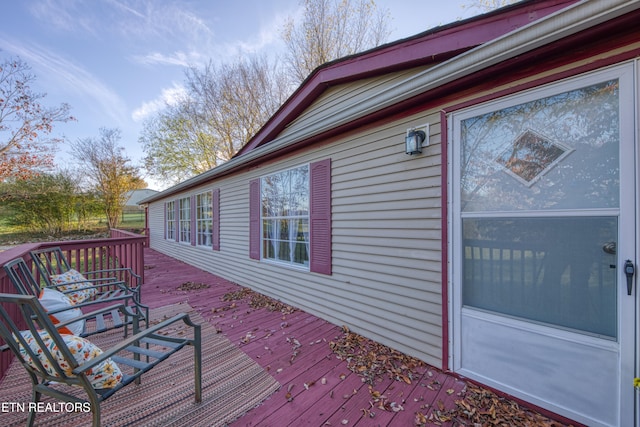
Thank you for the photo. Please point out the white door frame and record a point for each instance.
(628, 247)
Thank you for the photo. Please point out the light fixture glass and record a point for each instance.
(413, 141)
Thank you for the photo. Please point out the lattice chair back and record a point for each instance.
(49, 262)
(20, 275)
(54, 268)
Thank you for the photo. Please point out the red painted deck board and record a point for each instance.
(268, 338)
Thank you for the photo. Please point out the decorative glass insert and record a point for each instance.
(530, 156)
(563, 147)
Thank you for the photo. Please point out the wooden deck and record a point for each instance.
(317, 388)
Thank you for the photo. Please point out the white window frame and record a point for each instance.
(306, 218)
(171, 220)
(184, 220)
(204, 219)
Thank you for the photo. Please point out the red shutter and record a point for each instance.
(320, 217)
(215, 199)
(254, 219)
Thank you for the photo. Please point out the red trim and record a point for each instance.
(430, 47)
(444, 156)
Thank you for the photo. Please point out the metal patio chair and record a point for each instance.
(45, 354)
(52, 261)
(25, 283)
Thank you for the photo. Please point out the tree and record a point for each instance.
(49, 202)
(109, 171)
(224, 107)
(332, 29)
(25, 125)
(176, 147)
(227, 104)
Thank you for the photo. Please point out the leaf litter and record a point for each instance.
(372, 361)
(478, 407)
(481, 407)
(257, 301)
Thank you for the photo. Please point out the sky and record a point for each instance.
(116, 62)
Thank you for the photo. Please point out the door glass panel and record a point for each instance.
(557, 152)
(558, 271)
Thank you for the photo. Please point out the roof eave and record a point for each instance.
(563, 23)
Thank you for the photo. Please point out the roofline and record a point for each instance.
(563, 23)
(429, 47)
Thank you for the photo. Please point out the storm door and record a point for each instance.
(543, 220)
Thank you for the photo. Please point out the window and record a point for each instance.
(285, 216)
(204, 219)
(170, 215)
(184, 212)
(310, 242)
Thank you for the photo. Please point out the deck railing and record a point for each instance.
(122, 249)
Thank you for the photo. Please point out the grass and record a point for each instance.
(11, 235)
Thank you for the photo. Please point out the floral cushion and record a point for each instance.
(74, 281)
(54, 300)
(104, 375)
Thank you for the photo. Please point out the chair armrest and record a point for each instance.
(120, 307)
(120, 284)
(93, 302)
(137, 337)
(130, 271)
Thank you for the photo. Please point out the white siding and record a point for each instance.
(386, 230)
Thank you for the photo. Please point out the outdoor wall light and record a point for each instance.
(415, 140)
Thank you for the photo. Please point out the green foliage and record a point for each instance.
(49, 203)
(109, 171)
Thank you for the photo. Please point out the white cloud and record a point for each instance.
(168, 96)
(72, 77)
(178, 58)
(65, 16)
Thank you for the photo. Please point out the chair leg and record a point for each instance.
(95, 409)
(35, 397)
(197, 350)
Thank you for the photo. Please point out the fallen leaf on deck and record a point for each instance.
(480, 407)
(372, 360)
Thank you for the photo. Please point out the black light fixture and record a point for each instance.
(414, 140)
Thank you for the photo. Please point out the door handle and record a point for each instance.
(629, 271)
